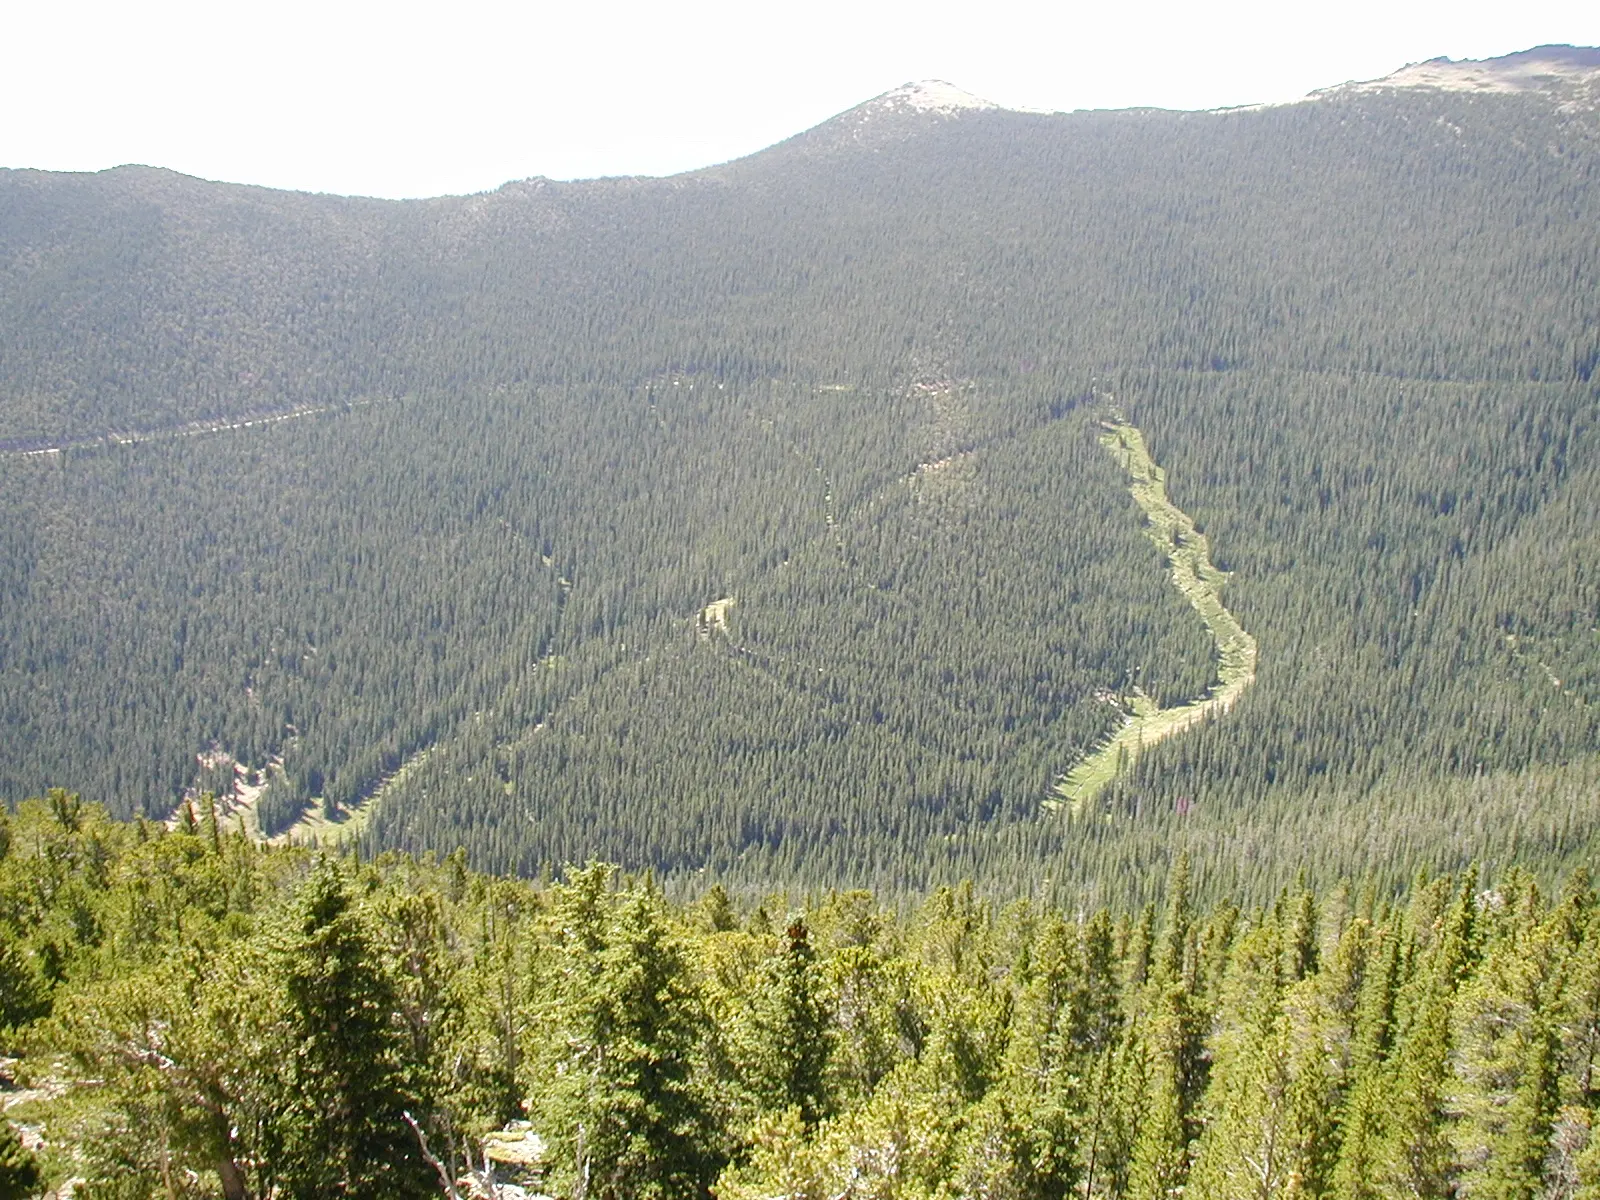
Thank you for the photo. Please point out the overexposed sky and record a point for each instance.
(416, 99)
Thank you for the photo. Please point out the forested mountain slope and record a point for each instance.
(853, 385)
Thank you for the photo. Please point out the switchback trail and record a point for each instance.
(1189, 555)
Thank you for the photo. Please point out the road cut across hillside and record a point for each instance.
(1193, 574)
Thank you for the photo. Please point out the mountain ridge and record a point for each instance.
(1557, 68)
(1571, 71)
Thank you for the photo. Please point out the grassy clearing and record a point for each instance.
(714, 617)
(1193, 574)
(315, 829)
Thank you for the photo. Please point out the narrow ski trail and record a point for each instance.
(1189, 556)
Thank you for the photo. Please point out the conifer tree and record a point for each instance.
(24, 995)
(1160, 1155)
(792, 1032)
(1507, 1063)
(19, 1170)
(1102, 1014)
(338, 1128)
(1361, 1136)
(1300, 940)
(1519, 1156)
(1171, 1035)
(622, 1107)
(1361, 1120)
(1247, 1149)
(1317, 1087)
(716, 910)
(1140, 944)
(1416, 1159)
(1015, 1147)
(1113, 1116)
(1171, 955)
(1588, 1164)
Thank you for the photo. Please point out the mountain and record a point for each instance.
(1569, 72)
(762, 518)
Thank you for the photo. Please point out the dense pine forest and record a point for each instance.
(755, 521)
(969, 655)
(193, 1014)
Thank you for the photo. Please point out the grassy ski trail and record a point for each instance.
(1193, 574)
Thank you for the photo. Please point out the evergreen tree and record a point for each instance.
(338, 1128)
(1112, 1116)
(1247, 1151)
(1015, 1147)
(19, 1170)
(1171, 1035)
(1416, 1159)
(791, 1031)
(1300, 942)
(1507, 1064)
(24, 996)
(1588, 1165)
(623, 1108)
(1160, 1154)
(1361, 1136)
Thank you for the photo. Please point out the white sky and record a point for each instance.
(401, 98)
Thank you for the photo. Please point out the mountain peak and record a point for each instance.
(931, 95)
(903, 112)
(1540, 69)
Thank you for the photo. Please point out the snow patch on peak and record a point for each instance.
(896, 116)
(934, 95)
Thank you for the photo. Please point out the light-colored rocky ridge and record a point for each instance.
(1554, 69)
